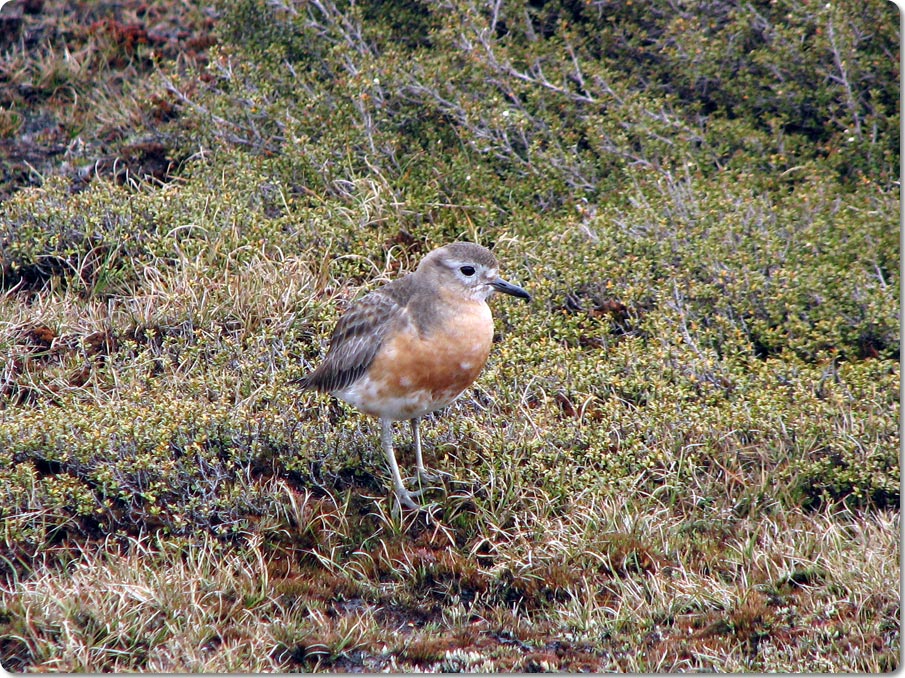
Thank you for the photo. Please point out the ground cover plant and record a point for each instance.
(683, 455)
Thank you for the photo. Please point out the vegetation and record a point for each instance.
(683, 455)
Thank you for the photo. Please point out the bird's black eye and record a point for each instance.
(467, 270)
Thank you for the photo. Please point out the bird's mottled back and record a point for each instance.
(358, 336)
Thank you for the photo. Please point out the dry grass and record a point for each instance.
(796, 591)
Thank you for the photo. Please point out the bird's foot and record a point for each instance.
(406, 498)
(424, 476)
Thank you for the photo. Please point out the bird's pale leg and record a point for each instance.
(423, 475)
(386, 440)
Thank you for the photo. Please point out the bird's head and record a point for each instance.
(470, 268)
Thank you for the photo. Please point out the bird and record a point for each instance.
(414, 345)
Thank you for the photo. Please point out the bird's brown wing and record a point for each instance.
(357, 338)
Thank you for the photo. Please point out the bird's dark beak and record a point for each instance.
(501, 285)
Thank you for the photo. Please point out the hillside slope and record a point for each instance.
(683, 455)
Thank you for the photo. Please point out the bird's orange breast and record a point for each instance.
(424, 373)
